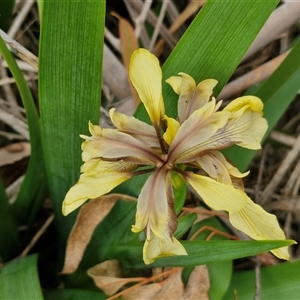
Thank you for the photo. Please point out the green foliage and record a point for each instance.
(8, 229)
(19, 280)
(69, 91)
(276, 282)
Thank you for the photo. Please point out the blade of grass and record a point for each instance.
(201, 252)
(33, 190)
(276, 282)
(71, 47)
(10, 243)
(277, 94)
(19, 280)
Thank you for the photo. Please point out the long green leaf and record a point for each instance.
(73, 294)
(276, 283)
(70, 64)
(10, 243)
(277, 93)
(33, 189)
(203, 252)
(19, 280)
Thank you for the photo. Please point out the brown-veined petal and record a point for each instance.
(191, 97)
(155, 207)
(216, 166)
(146, 76)
(244, 127)
(232, 170)
(199, 127)
(134, 127)
(112, 144)
(98, 179)
(217, 195)
(259, 225)
(156, 247)
(171, 131)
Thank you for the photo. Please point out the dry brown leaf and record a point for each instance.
(198, 284)
(169, 289)
(89, 216)
(129, 43)
(255, 76)
(14, 152)
(107, 276)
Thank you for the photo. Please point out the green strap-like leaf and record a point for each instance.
(10, 243)
(202, 252)
(19, 280)
(276, 283)
(34, 187)
(70, 64)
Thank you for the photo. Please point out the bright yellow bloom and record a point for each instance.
(112, 156)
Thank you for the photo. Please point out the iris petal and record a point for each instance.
(197, 129)
(146, 76)
(171, 131)
(259, 225)
(156, 247)
(191, 97)
(136, 128)
(216, 195)
(155, 207)
(112, 144)
(98, 179)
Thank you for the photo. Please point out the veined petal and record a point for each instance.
(155, 207)
(171, 131)
(146, 76)
(199, 127)
(156, 247)
(259, 225)
(134, 127)
(245, 126)
(191, 97)
(113, 144)
(99, 179)
(218, 196)
(216, 166)
(233, 171)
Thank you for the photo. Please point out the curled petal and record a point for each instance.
(216, 166)
(197, 129)
(171, 131)
(98, 179)
(134, 127)
(156, 247)
(218, 196)
(259, 225)
(245, 126)
(191, 97)
(111, 144)
(155, 207)
(146, 76)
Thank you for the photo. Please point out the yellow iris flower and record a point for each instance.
(112, 156)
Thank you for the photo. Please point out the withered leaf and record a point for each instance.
(89, 216)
